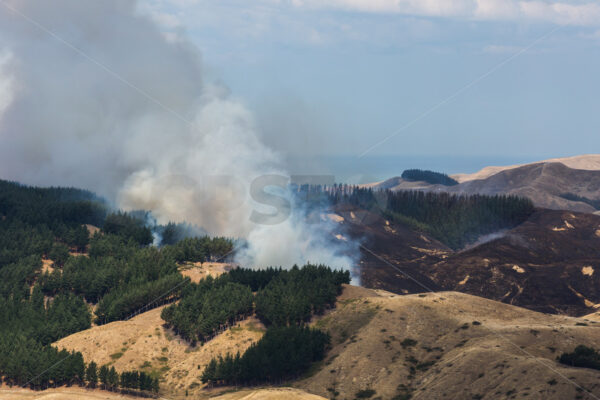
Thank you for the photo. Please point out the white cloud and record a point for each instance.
(564, 13)
(413, 7)
(587, 14)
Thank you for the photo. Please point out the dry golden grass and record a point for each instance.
(449, 346)
(198, 271)
(592, 317)
(47, 266)
(436, 346)
(144, 343)
(70, 393)
(92, 230)
(270, 394)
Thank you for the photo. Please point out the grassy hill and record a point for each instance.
(433, 346)
(143, 343)
(449, 345)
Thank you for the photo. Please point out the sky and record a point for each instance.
(492, 80)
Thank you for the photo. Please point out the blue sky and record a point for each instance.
(340, 76)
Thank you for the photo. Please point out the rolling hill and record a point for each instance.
(589, 162)
(547, 183)
(432, 346)
(546, 264)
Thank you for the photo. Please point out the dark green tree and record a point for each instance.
(103, 376)
(91, 374)
(59, 254)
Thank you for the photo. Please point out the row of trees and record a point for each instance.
(574, 197)
(455, 220)
(282, 353)
(292, 296)
(285, 297)
(208, 308)
(285, 301)
(200, 249)
(141, 296)
(25, 361)
(119, 275)
(255, 278)
(128, 381)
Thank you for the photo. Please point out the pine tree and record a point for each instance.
(113, 378)
(59, 254)
(155, 385)
(210, 372)
(103, 375)
(91, 374)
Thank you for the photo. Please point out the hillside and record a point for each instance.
(543, 260)
(269, 394)
(546, 183)
(464, 346)
(449, 345)
(67, 393)
(546, 264)
(543, 183)
(144, 343)
(396, 243)
(590, 162)
(89, 394)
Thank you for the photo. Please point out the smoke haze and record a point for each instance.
(94, 95)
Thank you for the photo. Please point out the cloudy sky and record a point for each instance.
(396, 77)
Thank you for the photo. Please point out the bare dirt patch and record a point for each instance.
(198, 271)
(92, 230)
(47, 266)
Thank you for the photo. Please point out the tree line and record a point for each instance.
(456, 220)
(582, 199)
(130, 382)
(284, 301)
(284, 297)
(121, 274)
(208, 308)
(201, 249)
(292, 296)
(434, 178)
(282, 353)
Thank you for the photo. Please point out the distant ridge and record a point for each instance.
(554, 184)
(590, 162)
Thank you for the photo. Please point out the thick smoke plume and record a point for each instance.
(94, 95)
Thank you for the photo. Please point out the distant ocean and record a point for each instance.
(352, 169)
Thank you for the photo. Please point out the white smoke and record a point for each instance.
(94, 95)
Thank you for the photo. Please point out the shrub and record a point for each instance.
(582, 356)
(365, 394)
